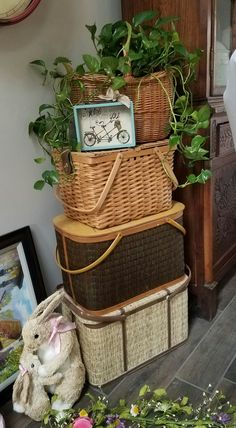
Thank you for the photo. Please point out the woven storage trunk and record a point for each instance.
(133, 334)
(108, 189)
(151, 96)
(103, 268)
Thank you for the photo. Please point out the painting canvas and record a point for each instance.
(19, 271)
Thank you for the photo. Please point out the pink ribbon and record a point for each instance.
(59, 327)
(23, 370)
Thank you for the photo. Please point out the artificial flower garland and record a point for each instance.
(151, 409)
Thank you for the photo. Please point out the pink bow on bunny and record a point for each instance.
(57, 328)
(23, 370)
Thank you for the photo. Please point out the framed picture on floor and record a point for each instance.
(21, 289)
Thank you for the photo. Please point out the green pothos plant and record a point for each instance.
(122, 48)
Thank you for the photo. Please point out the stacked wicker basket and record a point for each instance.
(120, 244)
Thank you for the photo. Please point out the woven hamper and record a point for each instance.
(115, 187)
(151, 96)
(103, 268)
(123, 339)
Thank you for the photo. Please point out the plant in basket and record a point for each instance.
(147, 62)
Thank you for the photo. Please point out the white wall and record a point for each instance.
(56, 28)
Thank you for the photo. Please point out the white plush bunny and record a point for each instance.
(29, 395)
(54, 339)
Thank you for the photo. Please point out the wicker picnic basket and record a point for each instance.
(103, 268)
(151, 96)
(115, 187)
(132, 334)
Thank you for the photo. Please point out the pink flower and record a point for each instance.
(83, 422)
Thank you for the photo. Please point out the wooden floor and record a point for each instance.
(207, 357)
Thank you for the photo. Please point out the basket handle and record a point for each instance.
(93, 264)
(107, 252)
(176, 225)
(104, 193)
(166, 166)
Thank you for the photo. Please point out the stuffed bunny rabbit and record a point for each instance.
(29, 395)
(54, 339)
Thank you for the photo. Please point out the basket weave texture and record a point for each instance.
(149, 95)
(137, 180)
(140, 262)
(146, 328)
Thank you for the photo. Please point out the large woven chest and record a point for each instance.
(134, 333)
(103, 268)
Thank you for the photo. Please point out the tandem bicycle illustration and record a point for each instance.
(106, 132)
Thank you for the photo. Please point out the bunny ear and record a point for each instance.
(25, 396)
(46, 307)
(17, 388)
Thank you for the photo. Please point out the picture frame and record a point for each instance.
(104, 126)
(21, 289)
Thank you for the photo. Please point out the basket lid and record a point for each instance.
(83, 233)
(136, 304)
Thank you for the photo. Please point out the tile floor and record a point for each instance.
(207, 357)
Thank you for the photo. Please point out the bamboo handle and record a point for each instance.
(93, 264)
(104, 193)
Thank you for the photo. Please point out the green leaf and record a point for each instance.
(180, 103)
(122, 403)
(92, 63)
(120, 31)
(109, 63)
(179, 47)
(204, 113)
(61, 60)
(203, 125)
(30, 127)
(134, 56)
(45, 107)
(80, 69)
(118, 82)
(166, 20)
(204, 176)
(38, 185)
(106, 33)
(198, 141)
(174, 140)
(92, 29)
(159, 393)
(39, 62)
(123, 65)
(143, 391)
(187, 409)
(143, 16)
(39, 160)
(184, 401)
(50, 177)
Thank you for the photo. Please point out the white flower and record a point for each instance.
(134, 410)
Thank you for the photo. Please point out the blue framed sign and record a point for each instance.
(104, 126)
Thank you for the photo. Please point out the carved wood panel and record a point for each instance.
(225, 139)
(224, 207)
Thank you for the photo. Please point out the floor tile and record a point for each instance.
(178, 388)
(214, 353)
(227, 289)
(229, 390)
(231, 372)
